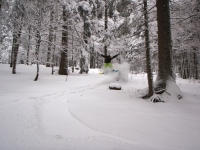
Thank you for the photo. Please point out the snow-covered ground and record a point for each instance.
(81, 113)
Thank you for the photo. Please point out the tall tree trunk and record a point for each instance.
(17, 19)
(165, 72)
(92, 58)
(29, 45)
(147, 46)
(72, 52)
(12, 53)
(15, 49)
(82, 63)
(55, 29)
(38, 41)
(106, 28)
(196, 76)
(0, 5)
(53, 55)
(0, 11)
(86, 37)
(97, 60)
(63, 69)
(48, 64)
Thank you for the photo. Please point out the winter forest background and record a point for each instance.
(158, 42)
(72, 33)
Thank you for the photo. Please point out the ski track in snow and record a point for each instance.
(40, 102)
(102, 135)
(50, 121)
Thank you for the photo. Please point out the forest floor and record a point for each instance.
(80, 112)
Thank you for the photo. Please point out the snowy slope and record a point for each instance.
(83, 114)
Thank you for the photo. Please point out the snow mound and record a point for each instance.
(174, 89)
(115, 86)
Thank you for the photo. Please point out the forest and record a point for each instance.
(152, 36)
(56, 93)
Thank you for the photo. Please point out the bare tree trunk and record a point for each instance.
(15, 49)
(53, 55)
(0, 5)
(106, 28)
(29, 45)
(38, 41)
(165, 72)
(17, 19)
(72, 52)
(37, 75)
(92, 58)
(0, 11)
(55, 29)
(86, 37)
(82, 63)
(147, 46)
(196, 76)
(12, 54)
(48, 64)
(63, 69)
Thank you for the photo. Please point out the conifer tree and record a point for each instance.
(17, 18)
(147, 46)
(165, 70)
(63, 69)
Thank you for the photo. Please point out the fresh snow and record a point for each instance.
(114, 85)
(79, 112)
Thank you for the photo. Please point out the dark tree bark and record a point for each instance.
(0, 8)
(53, 56)
(106, 28)
(83, 68)
(55, 30)
(37, 50)
(0, 5)
(72, 58)
(17, 19)
(92, 57)
(63, 69)
(15, 49)
(28, 49)
(12, 54)
(86, 36)
(196, 75)
(165, 72)
(147, 46)
(48, 64)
